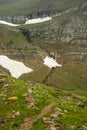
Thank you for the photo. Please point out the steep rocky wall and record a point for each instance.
(14, 19)
(75, 31)
(70, 38)
(21, 19)
(64, 38)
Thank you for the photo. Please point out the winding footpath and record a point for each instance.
(29, 121)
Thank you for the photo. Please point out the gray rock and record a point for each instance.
(30, 91)
(53, 128)
(55, 117)
(47, 120)
(57, 109)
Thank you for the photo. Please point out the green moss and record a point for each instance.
(38, 125)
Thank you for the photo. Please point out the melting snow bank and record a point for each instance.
(50, 62)
(37, 20)
(7, 23)
(31, 21)
(15, 68)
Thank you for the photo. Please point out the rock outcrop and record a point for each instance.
(64, 38)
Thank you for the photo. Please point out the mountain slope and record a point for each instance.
(23, 7)
(25, 105)
(16, 7)
(47, 98)
(63, 38)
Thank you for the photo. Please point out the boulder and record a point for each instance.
(53, 128)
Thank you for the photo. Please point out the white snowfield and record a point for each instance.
(15, 68)
(31, 21)
(50, 62)
(38, 20)
(7, 23)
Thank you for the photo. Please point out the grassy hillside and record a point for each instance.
(46, 99)
(21, 101)
(70, 77)
(16, 7)
(22, 7)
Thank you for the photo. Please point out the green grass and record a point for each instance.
(24, 7)
(38, 126)
(17, 7)
(18, 88)
(69, 77)
(74, 117)
(38, 75)
(43, 95)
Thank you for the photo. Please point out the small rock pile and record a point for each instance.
(53, 122)
(29, 99)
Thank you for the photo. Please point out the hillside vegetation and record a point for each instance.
(47, 98)
(23, 7)
(21, 101)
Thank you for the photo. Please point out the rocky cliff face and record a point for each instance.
(67, 33)
(64, 37)
(75, 31)
(21, 19)
(14, 19)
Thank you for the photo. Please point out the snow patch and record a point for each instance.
(15, 68)
(31, 21)
(37, 20)
(50, 62)
(7, 23)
